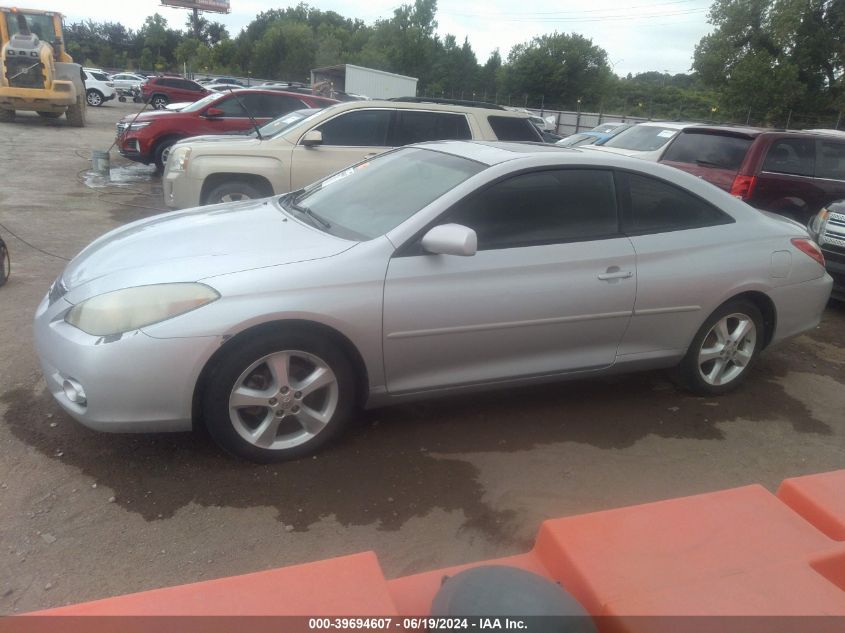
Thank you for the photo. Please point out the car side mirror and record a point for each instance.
(214, 113)
(451, 239)
(312, 138)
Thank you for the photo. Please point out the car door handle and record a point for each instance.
(618, 274)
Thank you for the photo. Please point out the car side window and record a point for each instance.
(274, 105)
(361, 128)
(231, 107)
(509, 128)
(544, 207)
(416, 127)
(791, 156)
(831, 161)
(655, 206)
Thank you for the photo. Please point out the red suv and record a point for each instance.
(147, 138)
(791, 173)
(158, 91)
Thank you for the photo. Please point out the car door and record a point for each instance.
(550, 290)
(785, 183)
(188, 90)
(236, 109)
(688, 253)
(347, 138)
(830, 170)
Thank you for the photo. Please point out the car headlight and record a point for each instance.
(133, 308)
(139, 126)
(178, 159)
(817, 224)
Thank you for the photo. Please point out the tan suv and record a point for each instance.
(304, 146)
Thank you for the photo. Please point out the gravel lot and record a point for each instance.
(85, 515)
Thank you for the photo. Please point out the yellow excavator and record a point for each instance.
(36, 73)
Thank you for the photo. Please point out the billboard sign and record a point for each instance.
(217, 6)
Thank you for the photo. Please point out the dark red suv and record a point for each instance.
(147, 138)
(158, 91)
(791, 173)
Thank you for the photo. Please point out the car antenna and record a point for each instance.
(248, 113)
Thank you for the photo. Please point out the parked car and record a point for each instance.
(160, 90)
(582, 138)
(828, 229)
(99, 88)
(645, 140)
(127, 81)
(222, 87)
(147, 137)
(272, 321)
(208, 170)
(791, 173)
(609, 126)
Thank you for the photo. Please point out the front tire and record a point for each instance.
(95, 98)
(76, 113)
(279, 396)
(234, 191)
(724, 349)
(6, 116)
(162, 151)
(159, 102)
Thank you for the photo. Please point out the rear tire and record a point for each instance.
(49, 115)
(723, 350)
(76, 113)
(234, 191)
(303, 390)
(95, 98)
(6, 116)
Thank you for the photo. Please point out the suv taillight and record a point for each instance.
(743, 186)
(809, 248)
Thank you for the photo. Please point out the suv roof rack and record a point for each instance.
(458, 102)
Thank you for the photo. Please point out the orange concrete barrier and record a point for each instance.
(740, 552)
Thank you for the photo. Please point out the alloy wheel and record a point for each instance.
(283, 400)
(94, 99)
(727, 349)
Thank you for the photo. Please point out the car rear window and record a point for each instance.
(642, 138)
(722, 151)
(509, 128)
(794, 156)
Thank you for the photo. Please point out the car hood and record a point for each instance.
(153, 115)
(241, 138)
(196, 244)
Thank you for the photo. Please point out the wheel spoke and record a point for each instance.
(266, 432)
(743, 357)
(246, 397)
(316, 380)
(709, 353)
(312, 421)
(742, 329)
(721, 331)
(279, 365)
(715, 374)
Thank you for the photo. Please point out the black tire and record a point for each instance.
(76, 113)
(49, 115)
(122, 99)
(159, 155)
(5, 263)
(227, 373)
(6, 116)
(689, 372)
(159, 102)
(94, 98)
(234, 191)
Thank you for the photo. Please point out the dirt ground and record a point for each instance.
(86, 515)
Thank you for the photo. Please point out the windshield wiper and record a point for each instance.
(290, 201)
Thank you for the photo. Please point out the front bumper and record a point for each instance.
(133, 382)
(181, 191)
(835, 265)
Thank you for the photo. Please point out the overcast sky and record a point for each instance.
(638, 35)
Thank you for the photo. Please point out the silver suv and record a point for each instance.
(302, 147)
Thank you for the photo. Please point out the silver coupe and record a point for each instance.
(432, 269)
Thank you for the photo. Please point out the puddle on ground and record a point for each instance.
(120, 176)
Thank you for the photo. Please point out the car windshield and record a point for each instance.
(199, 105)
(286, 122)
(39, 24)
(642, 138)
(373, 197)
